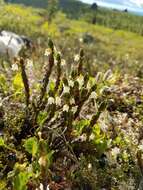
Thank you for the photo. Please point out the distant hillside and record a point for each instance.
(70, 7)
(44, 3)
(102, 16)
(108, 44)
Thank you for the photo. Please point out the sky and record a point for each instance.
(132, 5)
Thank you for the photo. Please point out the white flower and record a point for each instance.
(81, 39)
(29, 63)
(95, 60)
(83, 137)
(127, 56)
(42, 161)
(51, 100)
(48, 51)
(59, 52)
(115, 151)
(136, 62)
(58, 101)
(80, 81)
(40, 134)
(41, 186)
(93, 95)
(55, 49)
(76, 57)
(140, 147)
(0, 101)
(92, 136)
(14, 67)
(66, 108)
(30, 169)
(63, 62)
(88, 85)
(74, 109)
(56, 62)
(66, 89)
(72, 101)
(89, 166)
(71, 83)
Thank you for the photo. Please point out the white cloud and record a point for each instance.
(139, 3)
(131, 3)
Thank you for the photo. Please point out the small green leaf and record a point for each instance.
(2, 142)
(21, 180)
(52, 86)
(97, 130)
(31, 146)
(3, 83)
(101, 145)
(41, 118)
(17, 82)
(2, 184)
(81, 124)
(118, 140)
(49, 158)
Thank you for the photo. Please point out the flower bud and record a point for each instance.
(51, 100)
(42, 161)
(66, 89)
(66, 108)
(58, 101)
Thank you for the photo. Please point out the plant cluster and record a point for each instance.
(69, 130)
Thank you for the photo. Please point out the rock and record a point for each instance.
(63, 28)
(11, 44)
(87, 38)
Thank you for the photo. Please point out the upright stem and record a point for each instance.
(47, 73)
(25, 81)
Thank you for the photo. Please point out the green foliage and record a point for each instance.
(72, 8)
(3, 84)
(18, 19)
(80, 125)
(2, 142)
(42, 118)
(17, 82)
(31, 146)
(100, 139)
(2, 184)
(20, 181)
(109, 18)
(119, 20)
(52, 9)
(1, 2)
